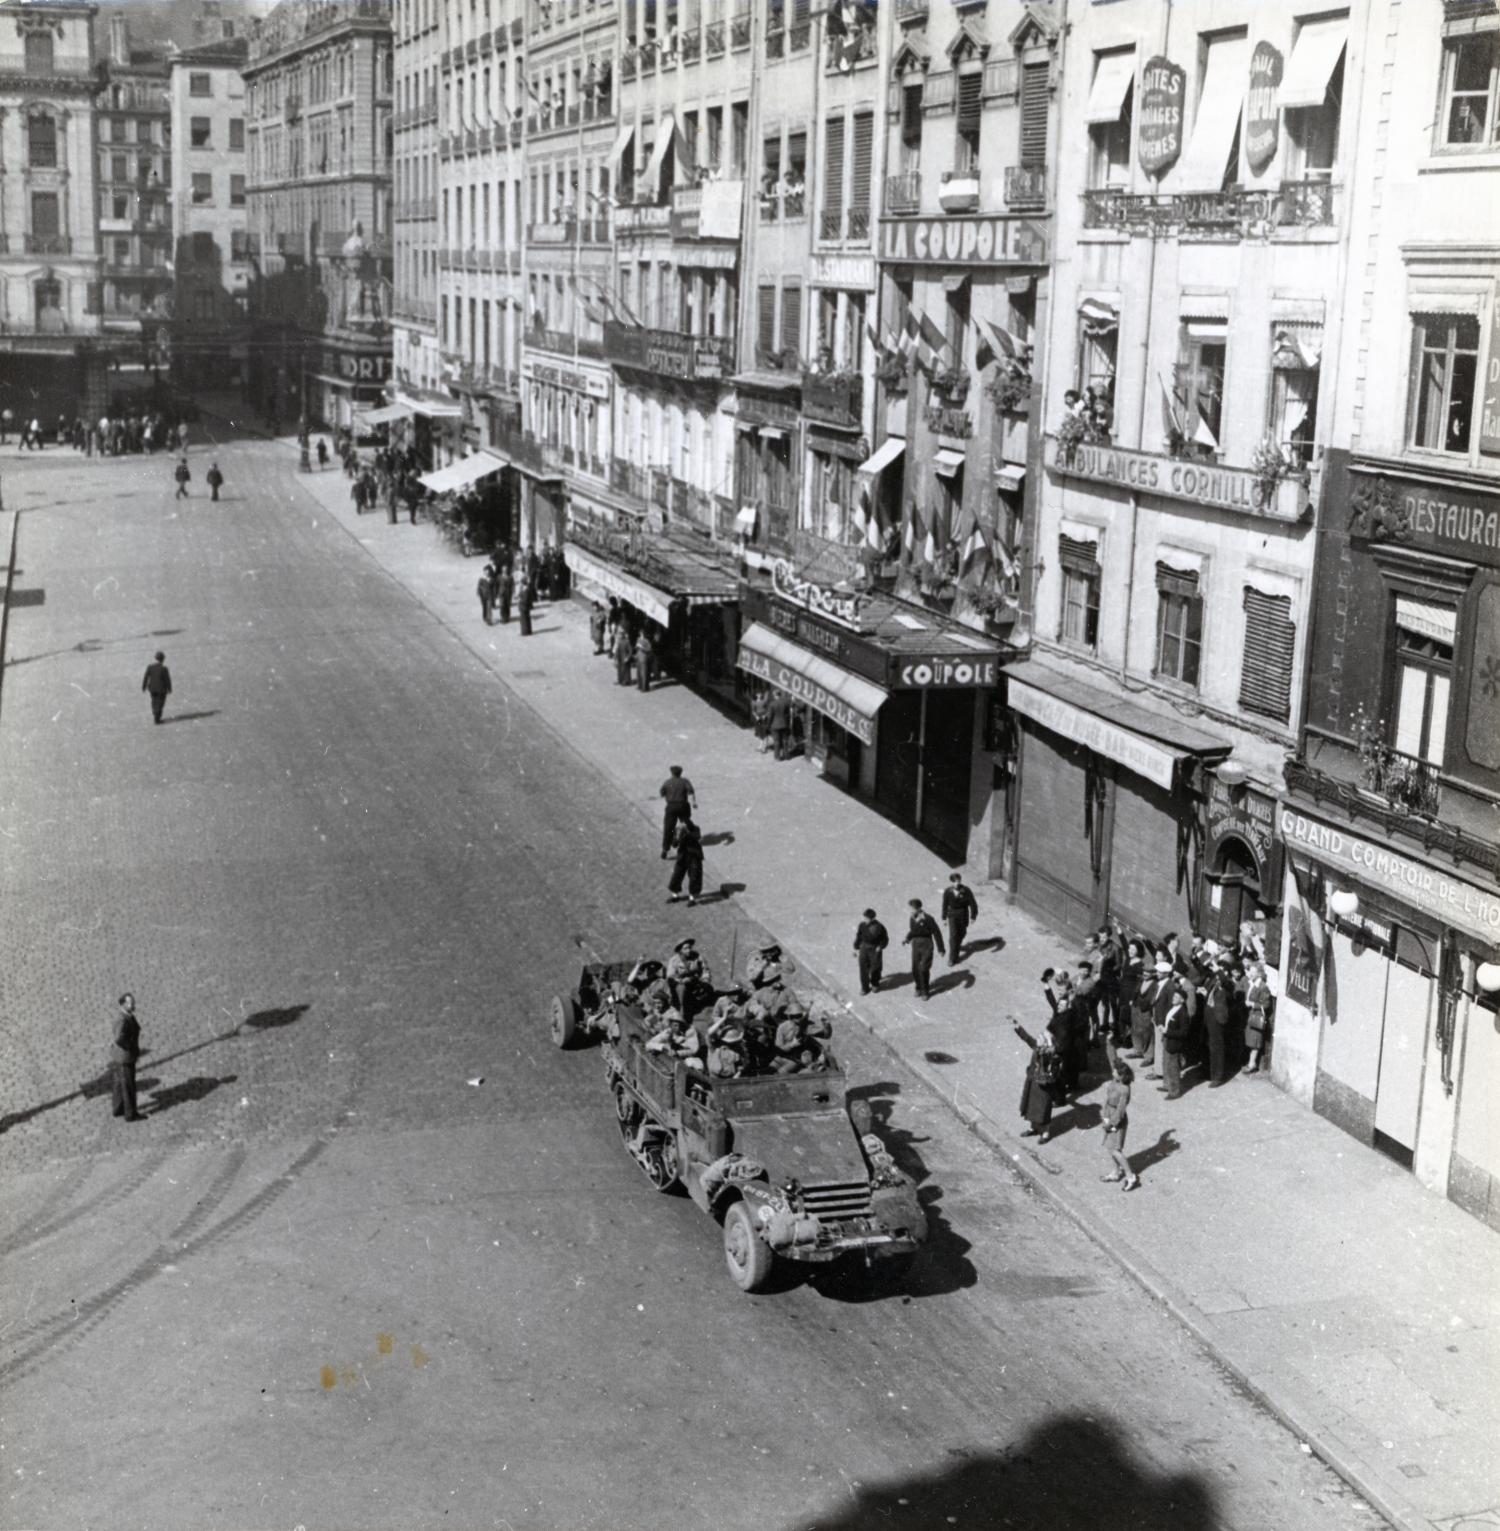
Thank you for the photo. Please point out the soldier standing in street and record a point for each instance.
(158, 682)
(922, 935)
(527, 596)
(676, 792)
(122, 1059)
(959, 907)
(870, 941)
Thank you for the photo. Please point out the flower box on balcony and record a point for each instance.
(959, 192)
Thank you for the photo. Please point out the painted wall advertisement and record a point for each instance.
(1262, 115)
(1159, 127)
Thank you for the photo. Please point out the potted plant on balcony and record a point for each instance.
(1271, 463)
(891, 373)
(1387, 775)
(952, 383)
(1072, 432)
(1010, 389)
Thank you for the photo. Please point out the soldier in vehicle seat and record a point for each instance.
(767, 968)
(642, 979)
(674, 1038)
(726, 1055)
(799, 1043)
(688, 975)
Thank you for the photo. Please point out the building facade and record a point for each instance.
(135, 206)
(213, 254)
(1387, 1022)
(53, 356)
(1202, 230)
(320, 79)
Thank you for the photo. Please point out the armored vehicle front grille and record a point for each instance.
(837, 1199)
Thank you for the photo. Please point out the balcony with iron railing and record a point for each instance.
(739, 30)
(48, 244)
(1026, 187)
(1237, 213)
(903, 192)
(713, 39)
(833, 398)
(668, 353)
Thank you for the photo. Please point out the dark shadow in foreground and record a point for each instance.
(190, 717)
(1072, 1473)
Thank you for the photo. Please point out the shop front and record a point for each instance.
(1107, 805)
(1385, 968)
(351, 379)
(1241, 862)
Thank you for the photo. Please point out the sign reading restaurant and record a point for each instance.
(963, 241)
(1203, 483)
(1442, 517)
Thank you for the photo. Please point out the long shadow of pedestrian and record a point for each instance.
(726, 891)
(988, 944)
(1163, 1148)
(943, 1266)
(1079, 1117)
(199, 1087)
(720, 837)
(264, 1020)
(1071, 1470)
(190, 717)
(954, 978)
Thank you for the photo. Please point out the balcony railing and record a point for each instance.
(775, 43)
(831, 223)
(1233, 214)
(49, 244)
(691, 47)
(1026, 187)
(903, 193)
(713, 39)
(1404, 781)
(834, 398)
(668, 353)
(859, 223)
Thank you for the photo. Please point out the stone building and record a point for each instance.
(320, 82)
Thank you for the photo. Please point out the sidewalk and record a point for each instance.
(1358, 1307)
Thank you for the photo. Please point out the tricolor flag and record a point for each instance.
(1203, 433)
(976, 546)
(930, 337)
(1171, 414)
(909, 534)
(999, 341)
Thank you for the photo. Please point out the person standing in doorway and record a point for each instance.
(485, 589)
(215, 481)
(922, 936)
(680, 802)
(781, 724)
(596, 626)
(157, 682)
(959, 907)
(870, 941)
(182, 475)
(123, 1053)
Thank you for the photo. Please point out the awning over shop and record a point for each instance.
(460, 474)
(1147, 743)
(849, 700)
(655, 603)
(1315, 56)
(946, 462)
(1112, 81)
(386, 414)
(433, 409)
(883, 455)
(1221, 101)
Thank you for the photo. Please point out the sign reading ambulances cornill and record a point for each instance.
(1163, 104)
(1262, 115)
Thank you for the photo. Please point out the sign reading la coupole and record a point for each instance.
(963, 241)
(843, 607)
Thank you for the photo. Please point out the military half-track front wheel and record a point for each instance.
(747, 1255)
(566, 1022)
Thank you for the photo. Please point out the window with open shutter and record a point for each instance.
(1034, 116)
(791, 320)
(863, 161)
(833, 165)
(1270, 647)
(765, 317)
(970, 88)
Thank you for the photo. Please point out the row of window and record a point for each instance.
(201, 134)
(119, 130)
(203, 189)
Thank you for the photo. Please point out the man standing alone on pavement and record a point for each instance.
(182, 475)
(527, 596)
(486, 591)
(922, 935)
(681, 803)
(959, 907)
(870, 941)
(689, 864)
(158, 682)
(644, 658)
(214, 480)
(596, 626)
(122, 1058)
(506, 590)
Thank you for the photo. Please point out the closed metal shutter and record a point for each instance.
(969, 99)
(1143, 890)
(833, 165)
(1054, 867)
(791, 319)
(765, 316)
(864, 162)
(947, 755)
(1034, 116)
(1270, 644)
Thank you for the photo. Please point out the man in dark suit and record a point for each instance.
(870, 941)
(158, 682)
(959, 907)
(528, 595)
(506, 589)
(122, 1059)
(922, 935)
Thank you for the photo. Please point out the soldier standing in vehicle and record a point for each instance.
(922, 935)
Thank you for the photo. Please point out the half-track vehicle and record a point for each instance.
(783, 1161)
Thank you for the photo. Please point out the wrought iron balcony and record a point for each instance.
(1026, 187)
(1405, 781)
(1234, 214)
(691, 47)
(739, 30)
(49, 244)
(834, 398)
(831, 224)
(903, 192)
(859, 223)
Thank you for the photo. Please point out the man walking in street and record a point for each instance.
(182, 475)
(486, 591)
(158, 682)
(959, 907)
(681, 803)
(922, 935)
(122, 1059)
(689, 864)
(870, 941)
(215, 481)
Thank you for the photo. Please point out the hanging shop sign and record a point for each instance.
(963, 241)
(1429, 889)
(1244, 814)
(843, 607)
(359, 367)
(1262, 114)
(845, 648)
(946, 672)
(851, 272)
(1159, 125)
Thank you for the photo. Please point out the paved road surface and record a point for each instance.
(328, 1281)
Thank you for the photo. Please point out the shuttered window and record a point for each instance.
(791, 319)
(765, 318)
(864, 161)
(911, 113)
(833, 165)
(1033, 116)
(1270, 644)
(969, 100)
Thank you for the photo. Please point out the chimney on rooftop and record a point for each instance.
(119, 41)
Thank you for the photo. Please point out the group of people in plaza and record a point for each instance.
(758, 1026)
(125, 433)
(1171, 1010)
